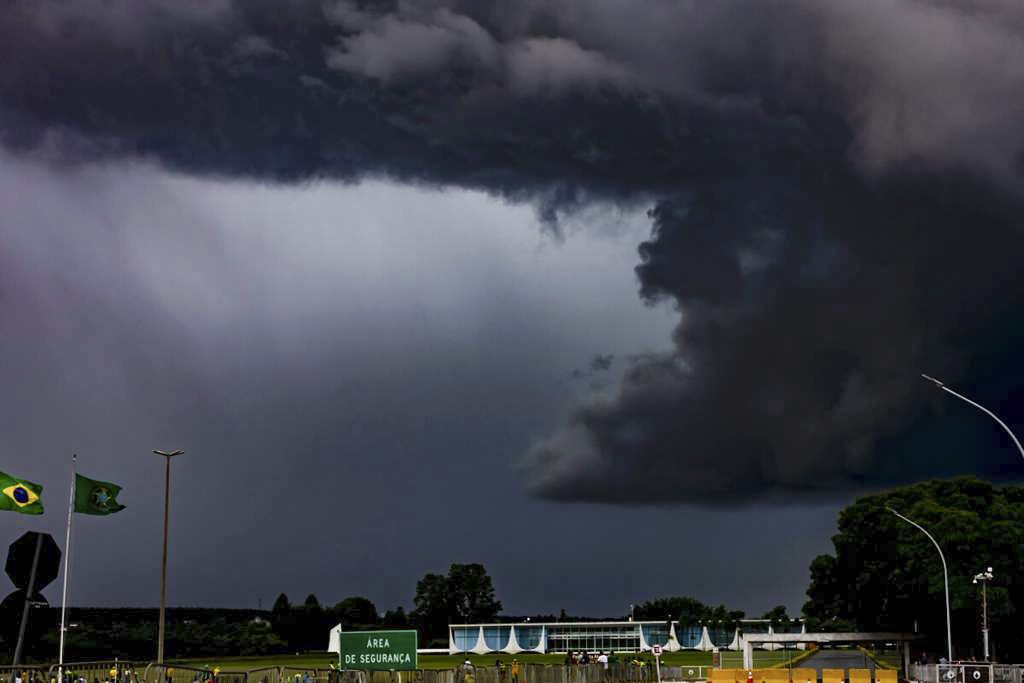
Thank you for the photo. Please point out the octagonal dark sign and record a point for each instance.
(21, 554)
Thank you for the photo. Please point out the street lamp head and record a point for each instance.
(168, 454)
(936, 382)
(989, 570)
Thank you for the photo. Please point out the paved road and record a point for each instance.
(837, 659)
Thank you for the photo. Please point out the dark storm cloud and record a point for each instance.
(836, 185)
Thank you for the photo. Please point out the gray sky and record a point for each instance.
(559, 287)
(355, 372)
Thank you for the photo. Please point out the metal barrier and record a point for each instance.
(288, 674)
(111, 671)
(28, 674)
(270, 674)
(173, 673)
(975, 672)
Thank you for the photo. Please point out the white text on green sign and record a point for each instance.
(378, 650)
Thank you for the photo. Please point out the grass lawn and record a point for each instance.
(321, 660)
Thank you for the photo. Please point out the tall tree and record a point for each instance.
(396, 618)
(465, 595)
(356, 611)
(886, 575)
(432, 606)
(471, 593)
(777, 615)
(281, 605)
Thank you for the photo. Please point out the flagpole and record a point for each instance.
(67, 564)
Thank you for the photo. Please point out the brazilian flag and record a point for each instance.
(94, 497)
(20, 495)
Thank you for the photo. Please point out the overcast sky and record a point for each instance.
(622, 299)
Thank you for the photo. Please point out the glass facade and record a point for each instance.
(689, 636)
(721, 636)
(593, 638)
(529, 637)
(656, 634)
(618, 636)
(496, 637)
(465, 638)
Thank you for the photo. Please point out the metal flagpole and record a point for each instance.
(67, 564)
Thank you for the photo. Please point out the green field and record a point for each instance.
(321, 660)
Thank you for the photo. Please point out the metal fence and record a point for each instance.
(966, 672)
(173, 673)
(27, 674)
(111, 671)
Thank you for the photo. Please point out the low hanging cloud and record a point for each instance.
(836, 187)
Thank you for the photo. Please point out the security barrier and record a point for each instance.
(686, 673)
(885, 676)
(173, 673)
(770, 675)
(727, 676)
(112, 671)
(860, 676)
(800, 675)
(833, 675)
(28, 674)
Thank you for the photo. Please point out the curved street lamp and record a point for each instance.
(945, 579)
(980, 407)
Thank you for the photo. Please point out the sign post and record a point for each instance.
(656, 650)
(32, 563)
(378, 650)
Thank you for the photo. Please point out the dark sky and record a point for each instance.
(621, 298)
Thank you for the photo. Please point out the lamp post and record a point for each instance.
(983, 578)
(167, 455)
(980, 407)
(945, 579)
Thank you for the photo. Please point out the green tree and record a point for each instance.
(311, 603)
(356, 611)
(281, 605)
(886, 575)
(471, 593)
(465, 595)
(396, 618)
(777, 616)
(432, 605)
(685, 610)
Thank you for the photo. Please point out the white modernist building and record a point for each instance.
(594, 636)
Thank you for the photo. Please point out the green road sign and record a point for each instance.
(378, 650)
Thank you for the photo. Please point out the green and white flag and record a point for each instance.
(94, 497)
(20, 495)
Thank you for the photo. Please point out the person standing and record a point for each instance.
(514, 669)
(602, 659)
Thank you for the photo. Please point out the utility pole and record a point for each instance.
(167, 455)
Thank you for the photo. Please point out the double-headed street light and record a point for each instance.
(945, 579)
(983, 578)
(163, 567)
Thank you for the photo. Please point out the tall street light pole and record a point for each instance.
(945, 579)
(983, 578)
(167, 455)
(980, 407)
